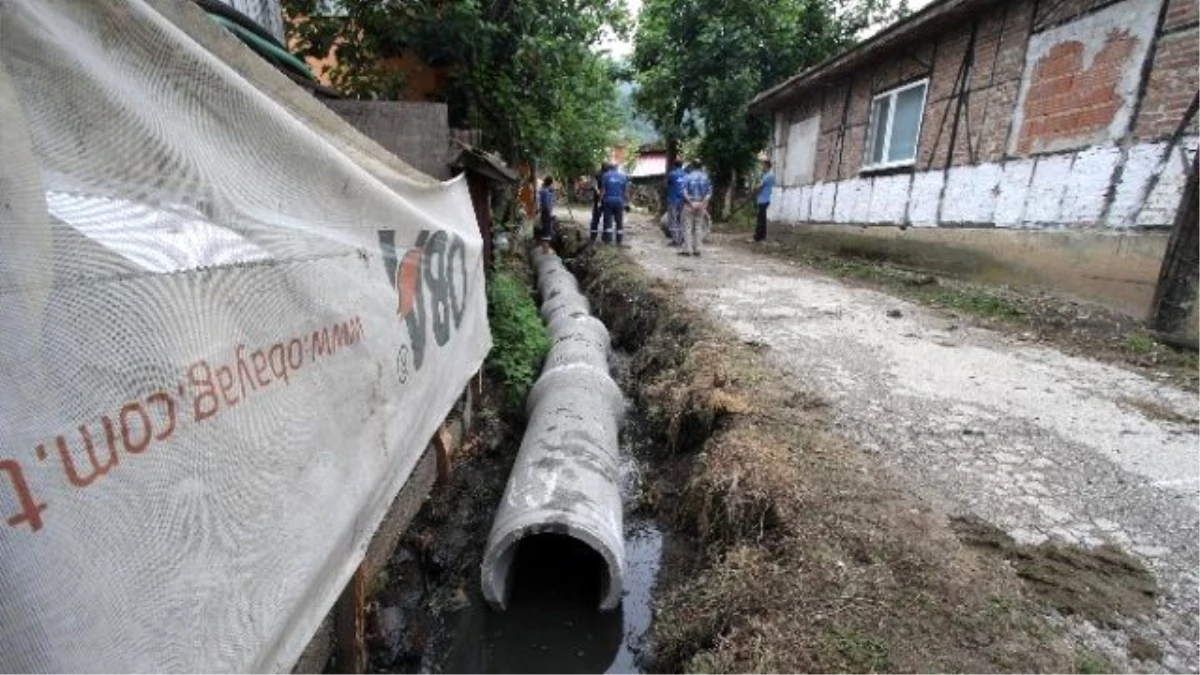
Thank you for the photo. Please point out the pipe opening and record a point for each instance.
(553, 568)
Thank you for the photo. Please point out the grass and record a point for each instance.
(924, 288)
(1089, 663)
(1140, 343)
(971, 301)
(858, 651)
(520, 340)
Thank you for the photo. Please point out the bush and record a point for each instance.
(520, 341)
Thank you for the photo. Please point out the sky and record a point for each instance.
(623, 48)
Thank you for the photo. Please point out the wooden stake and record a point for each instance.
(350, 620)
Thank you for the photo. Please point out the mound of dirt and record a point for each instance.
(1099, 584)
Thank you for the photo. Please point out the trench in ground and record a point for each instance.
(551, 624)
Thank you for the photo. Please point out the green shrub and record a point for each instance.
(519, 340)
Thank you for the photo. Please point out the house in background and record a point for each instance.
(1054, 136)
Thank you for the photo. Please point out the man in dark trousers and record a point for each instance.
(764, 200)
(615, 184)
(675, 203)
(597, 198)
(545, 202)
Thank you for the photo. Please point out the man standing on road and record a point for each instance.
(597, 209)
(675, 201)
(545, 202)
(697, 190)
(615, 184)
(765, 185)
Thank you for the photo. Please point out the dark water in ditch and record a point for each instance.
(552, 624)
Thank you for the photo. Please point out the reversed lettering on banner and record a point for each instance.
(95, 448)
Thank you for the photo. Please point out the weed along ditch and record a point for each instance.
(678, 507)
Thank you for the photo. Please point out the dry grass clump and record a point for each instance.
(742, 487)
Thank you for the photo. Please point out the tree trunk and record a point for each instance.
(672, 155)
(1175, 294)
(727, 207)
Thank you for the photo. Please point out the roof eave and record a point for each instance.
(928, 18)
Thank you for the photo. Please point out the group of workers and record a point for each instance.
(688, 195)
(608, 204)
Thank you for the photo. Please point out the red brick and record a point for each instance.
(826, 169)
(1173, 83)
(1181, 13)
(831, 112)
(1054, 13)
(933, 146)
(946, 68)
(1064, 101)
(860, 100)
(852, 151)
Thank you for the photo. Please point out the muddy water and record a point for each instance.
(551, 625)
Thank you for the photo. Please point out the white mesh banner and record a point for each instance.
(229, 326)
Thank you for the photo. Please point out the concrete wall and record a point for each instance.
(1118, 270)
(418, 133)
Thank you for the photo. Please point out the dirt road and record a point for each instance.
(1038, 443)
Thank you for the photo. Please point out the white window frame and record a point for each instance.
(887, 133)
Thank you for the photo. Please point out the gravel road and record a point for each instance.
(1041, 444)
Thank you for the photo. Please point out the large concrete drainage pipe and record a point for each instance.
(565, 478)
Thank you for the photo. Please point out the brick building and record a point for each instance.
(1018, 115)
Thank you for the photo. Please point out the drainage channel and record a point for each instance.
(561, 546)
(551, 624)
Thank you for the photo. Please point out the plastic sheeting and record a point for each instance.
(229, 325)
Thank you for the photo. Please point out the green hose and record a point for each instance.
(266, 49)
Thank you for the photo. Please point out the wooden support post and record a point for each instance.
(1175, 294)
(443, 442)
(350, 621)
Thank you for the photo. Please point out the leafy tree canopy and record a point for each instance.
(522, 71)
(699, 63)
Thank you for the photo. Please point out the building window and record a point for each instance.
(895, 126)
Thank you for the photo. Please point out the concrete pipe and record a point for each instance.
(564, 481)
(588, 376)
(578, 327)
(562, 304)
(565, 478)
(553, 280)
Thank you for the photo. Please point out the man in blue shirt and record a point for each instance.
(597, 208)
(675, 203)
(546, 207)
(697, 190)
(614, 183)
(764, 200)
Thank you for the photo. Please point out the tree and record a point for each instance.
(522, 71)
(585, 121)
(699, 63)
